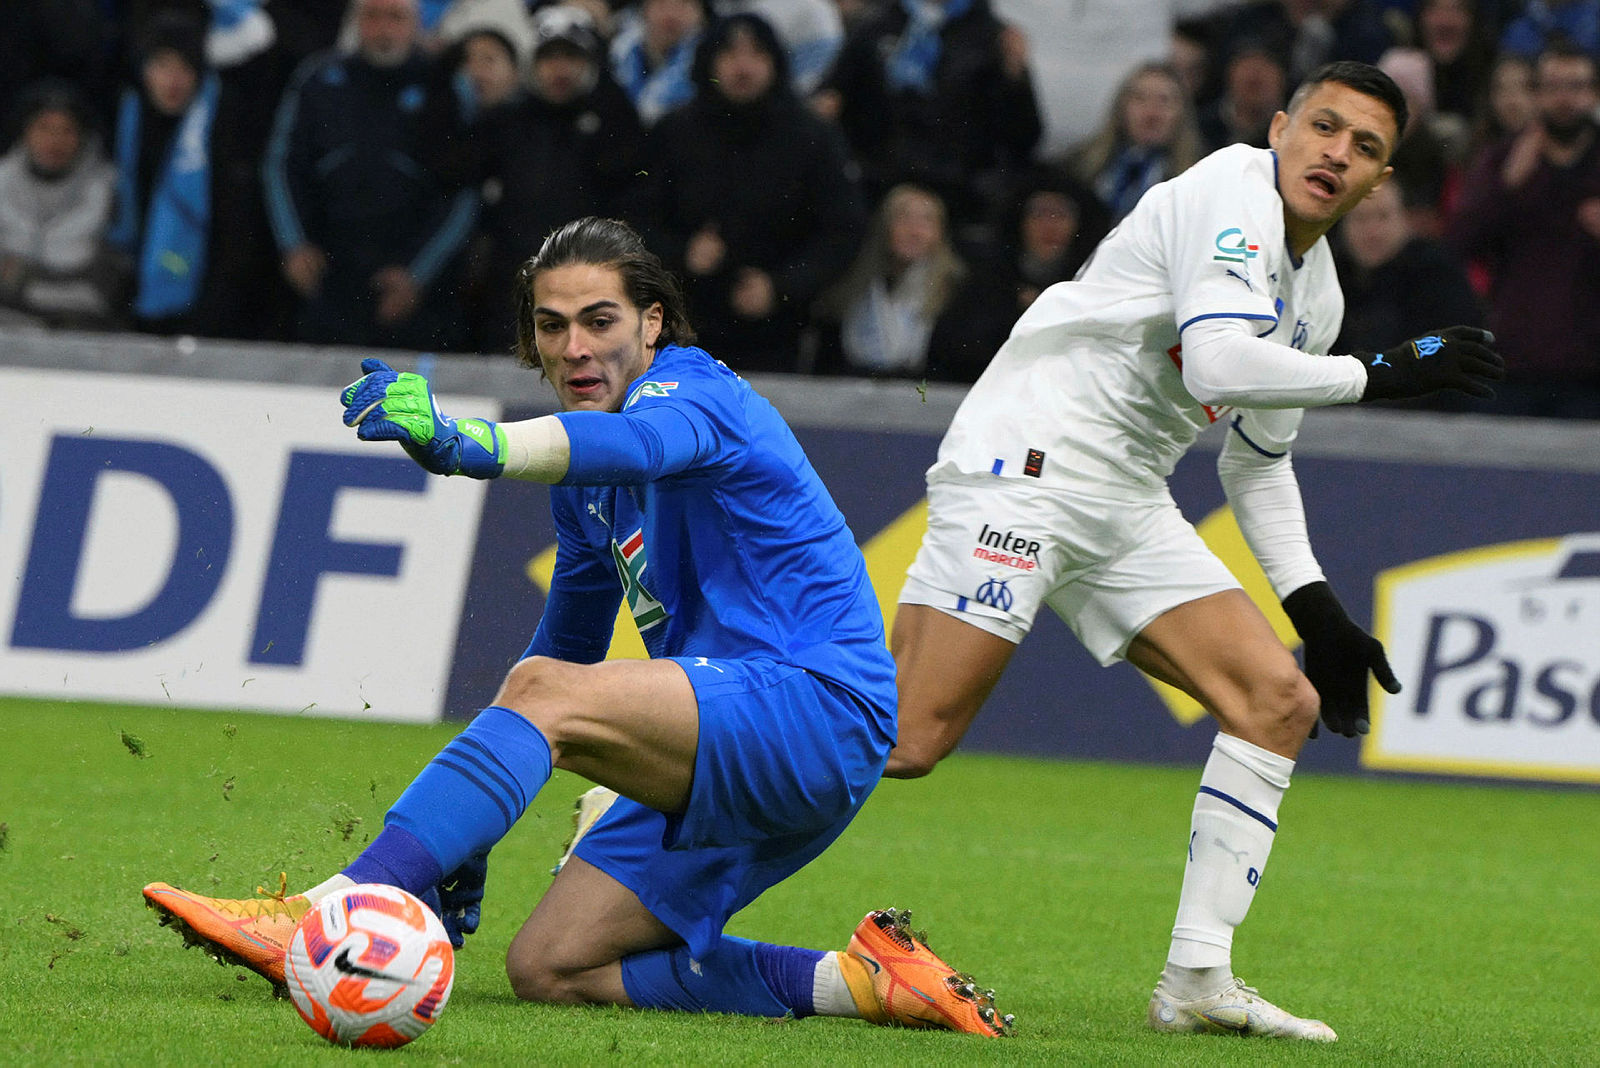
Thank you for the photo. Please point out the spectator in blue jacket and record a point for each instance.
(652, 54)
(366, 219)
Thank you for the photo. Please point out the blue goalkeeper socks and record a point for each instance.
(461, 804)
(739, 976)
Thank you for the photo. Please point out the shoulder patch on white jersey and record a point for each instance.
(1234, 247)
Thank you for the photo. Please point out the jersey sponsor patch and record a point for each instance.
(650, 389)
(1234, 247)
(1007, 549)
(1034, 464)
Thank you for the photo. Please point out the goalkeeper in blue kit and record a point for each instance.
(741, 749)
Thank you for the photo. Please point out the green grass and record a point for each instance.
(1430, 924)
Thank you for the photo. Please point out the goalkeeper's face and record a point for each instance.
(593, 343)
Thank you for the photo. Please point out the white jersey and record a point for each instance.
(1089, 391)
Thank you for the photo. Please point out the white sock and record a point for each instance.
(333, 885)
(830, 996)
(1230, 837)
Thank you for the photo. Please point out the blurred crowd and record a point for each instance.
(859, 187)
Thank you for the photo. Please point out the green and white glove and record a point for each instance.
(387, 405)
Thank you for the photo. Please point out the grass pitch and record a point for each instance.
(1428, 923)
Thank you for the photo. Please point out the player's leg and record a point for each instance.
(991, 552)
(785, 761)
(591, 941)
(944, 669)
(631, 725)
(1221, 651)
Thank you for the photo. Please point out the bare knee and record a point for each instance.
(536, 975)
(534, 688)
(912, 757)
(1283, 708)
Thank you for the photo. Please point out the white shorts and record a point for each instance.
(995, 550)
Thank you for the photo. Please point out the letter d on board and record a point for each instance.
(205, 536)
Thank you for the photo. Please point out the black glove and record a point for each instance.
(460, 898)
(1458, 358)
(1338, 656)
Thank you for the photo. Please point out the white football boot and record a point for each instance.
(591, 805)
(1237, 1010)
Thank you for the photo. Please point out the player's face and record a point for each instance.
(1333, 150)
(592, 341)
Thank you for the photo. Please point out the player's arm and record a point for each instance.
(1258, 477)
(573, 448)
(1224, 363)
(580, 611)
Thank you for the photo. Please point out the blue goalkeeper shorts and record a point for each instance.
(785, 761)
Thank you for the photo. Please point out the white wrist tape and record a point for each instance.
(537, 449)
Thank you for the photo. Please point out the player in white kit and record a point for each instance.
(1215, 300)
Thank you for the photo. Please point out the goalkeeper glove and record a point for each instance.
(1338, 655)
(1457, 358)
(461, 898)
(385, 405)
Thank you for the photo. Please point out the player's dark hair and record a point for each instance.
(604, 243)
(1365, 79)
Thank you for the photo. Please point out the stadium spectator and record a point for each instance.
(1397, 283)
(570, 146)
(1078, 52)
(1190, 54)
(905, 309)
(1150, 135)
(188, 199)
(1544, 21)
(55, 205)
(490, 62)
(1051, 226)
(1510, 106)
(652, 54)
(811, 31)
(1530, 211)
(938, 94)
(1255, 86)
(1216, 299)
(1426, 159)
(750, 199)
(67, 39)
(743, 747)
(367, 227)
(1457, 38)
(1309, 33)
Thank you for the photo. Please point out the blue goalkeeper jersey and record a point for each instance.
(699, 500)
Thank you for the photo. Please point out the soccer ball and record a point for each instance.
(370, 965)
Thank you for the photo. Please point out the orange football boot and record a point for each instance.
(250, 932)
(897, 981)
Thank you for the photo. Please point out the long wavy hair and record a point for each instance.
(876, 261)
(1187, 146)
(603, 243)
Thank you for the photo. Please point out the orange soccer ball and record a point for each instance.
(370, 965)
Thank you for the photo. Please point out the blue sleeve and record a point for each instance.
(581, 609)
(640, 446)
